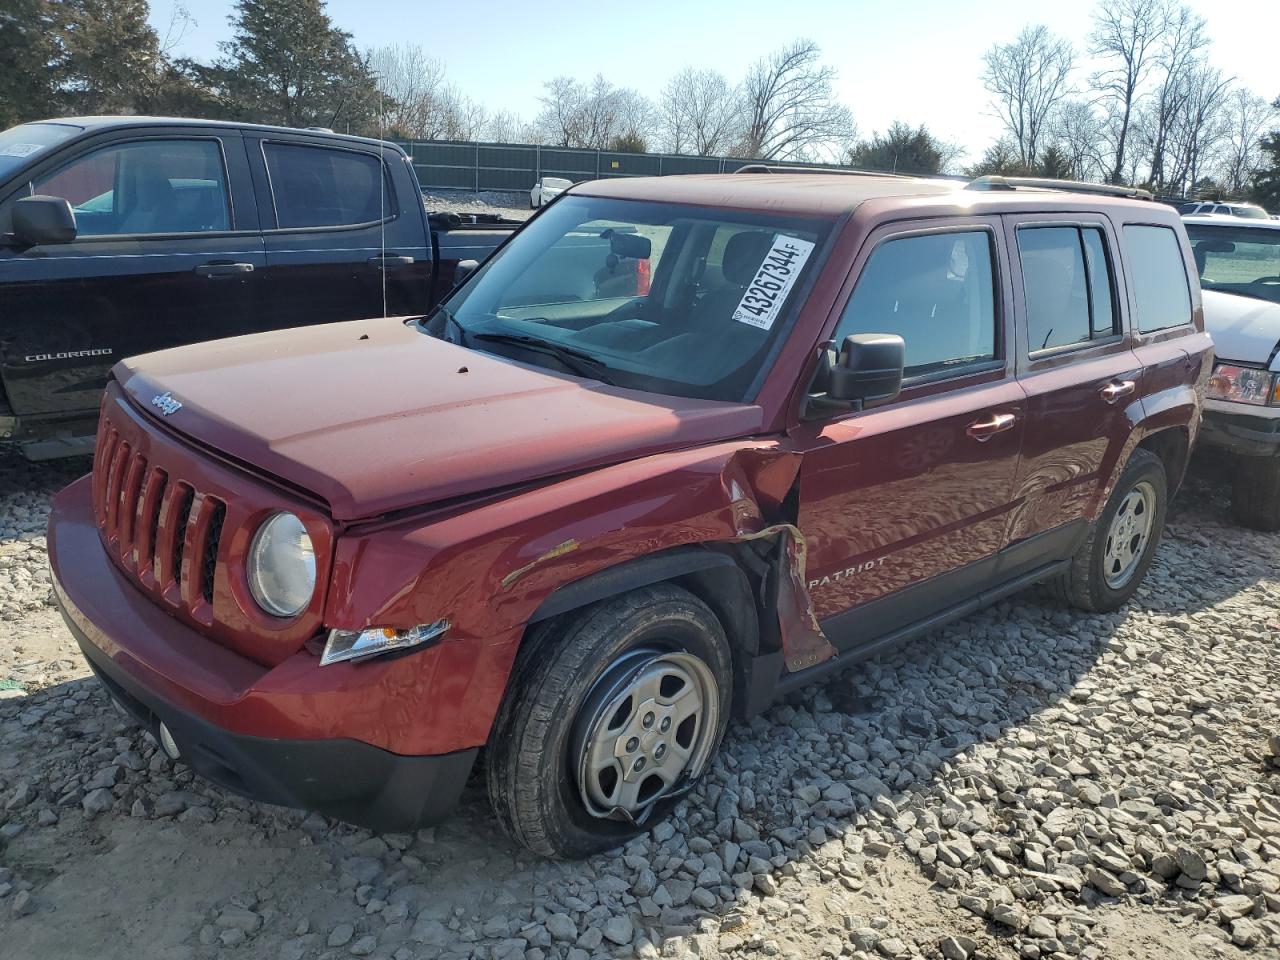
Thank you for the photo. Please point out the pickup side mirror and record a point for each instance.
(39, 220)
(868, 369)
(464, 269)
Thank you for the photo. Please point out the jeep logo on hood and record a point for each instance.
(165, 403)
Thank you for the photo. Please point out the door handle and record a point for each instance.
(390, 261)
(1116, 389)
(223, 269)
(984, 430)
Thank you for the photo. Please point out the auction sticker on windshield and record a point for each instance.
(773, 281)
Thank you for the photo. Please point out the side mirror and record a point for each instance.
(464, 269)
(868, 369)
(39, 220)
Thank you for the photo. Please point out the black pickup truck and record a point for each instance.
(123, 235)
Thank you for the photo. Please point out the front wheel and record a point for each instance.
(613, 715)
(1255, 493)
(1111, 564)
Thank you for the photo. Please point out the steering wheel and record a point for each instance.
(1267, 280)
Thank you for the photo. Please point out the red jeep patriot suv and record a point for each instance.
(680, 446)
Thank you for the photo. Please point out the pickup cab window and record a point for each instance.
(144, 187)
(322, 187)
(936, 291)
(664, 297)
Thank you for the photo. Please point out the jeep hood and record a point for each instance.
(1243, 329)
(374, 416)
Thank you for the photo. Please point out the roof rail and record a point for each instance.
(1044, 183)
(838, 171)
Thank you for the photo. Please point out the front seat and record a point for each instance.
(152, 207)
(743, 255)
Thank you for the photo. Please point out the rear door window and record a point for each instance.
(323, 187)
(1158, 275)
(1066, 283)
(936, 291)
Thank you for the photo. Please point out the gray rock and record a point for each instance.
(364, 946)
(618, 930)
(98, 801)
(562, 928)
(958, 948)
(341, 935)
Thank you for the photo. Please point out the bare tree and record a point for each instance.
(1181, 44)
(593, 115)
(418, 102)
(1197, 128)
(699, 113)
(1026, 79)
(1078, 132)
(1246, 117)
(561, 117)
(789, 109)
(1126, 35)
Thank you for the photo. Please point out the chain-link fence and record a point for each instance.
(510, 166)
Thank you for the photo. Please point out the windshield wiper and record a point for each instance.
(576, 361)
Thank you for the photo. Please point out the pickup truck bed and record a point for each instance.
(192, 230)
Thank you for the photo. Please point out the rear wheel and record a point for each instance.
(613, 714)
(1111, 564)
(1255, 493)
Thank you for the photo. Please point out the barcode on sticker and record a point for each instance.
(773, 281)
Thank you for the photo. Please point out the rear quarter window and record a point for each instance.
(1158, 276)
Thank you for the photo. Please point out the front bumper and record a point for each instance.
(1246, 434)
(210, 698)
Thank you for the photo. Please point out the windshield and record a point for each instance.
(20, 144)
(1240, 260)
(669, 298)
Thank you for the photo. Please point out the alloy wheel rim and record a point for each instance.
(1129, 535)
(645, 732)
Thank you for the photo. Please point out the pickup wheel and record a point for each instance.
(1110, 565)
(613, 714)
(1255, 493)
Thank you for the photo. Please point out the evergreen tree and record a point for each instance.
(1265, 188)
(902, 150)
(110, 56)
(1054, 163)
(27, 81)
(288, 64)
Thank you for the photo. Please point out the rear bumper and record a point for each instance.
(275, 735)
(1241, 433)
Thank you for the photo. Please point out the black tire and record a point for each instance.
(1255, 493)
(1084, 585)
(532, 783)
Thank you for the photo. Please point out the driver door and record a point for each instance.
(162, 256)
(904, 506)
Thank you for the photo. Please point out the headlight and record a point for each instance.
(359, 644)
(282, 566)
(1242, 384)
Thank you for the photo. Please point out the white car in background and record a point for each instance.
(1246, 211)
(547, 189)
(1238, 261)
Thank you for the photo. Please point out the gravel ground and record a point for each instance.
(508, 204)
(1028, 783)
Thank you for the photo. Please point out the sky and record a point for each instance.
(919, 61)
